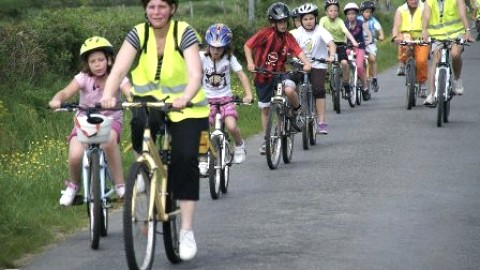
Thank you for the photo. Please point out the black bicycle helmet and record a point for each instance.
(331, 2)
(278, 11)
(294, 13)
(367, 5)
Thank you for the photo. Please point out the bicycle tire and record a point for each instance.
(273, 136)
(313, 128)
(95, 202)
(171, 229)
(214, 174)
(288, 140)
(337, 84)
(306, 112)
(107, 179)
(225, 179)
(358, 99)
(411, 79)
(353, 87)
(441, 88)
(139, 233)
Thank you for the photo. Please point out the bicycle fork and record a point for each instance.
(103, 172)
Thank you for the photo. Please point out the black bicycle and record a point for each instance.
(280, 133)
(411, 83)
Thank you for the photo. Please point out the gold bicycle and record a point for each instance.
(147, 199)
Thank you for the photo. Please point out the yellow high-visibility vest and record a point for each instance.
(173, 74)
(447, 27)
(411, 24)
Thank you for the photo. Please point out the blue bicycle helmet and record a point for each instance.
(218, 35)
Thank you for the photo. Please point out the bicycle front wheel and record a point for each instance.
(441, 90)
(305, 114)
(287, 146)
(138, 229)
(95, 202)
(337, 86)
(411, 77)
(171, 229)
(353, 87)
(273, 136)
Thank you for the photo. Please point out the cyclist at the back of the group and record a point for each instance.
(217, 61)
(316, 42)
(269, 48)
(445, 20)
(357, 28)
(407, 26)
(367, 8)
(340, 34)
(169, 67)
(98, 55)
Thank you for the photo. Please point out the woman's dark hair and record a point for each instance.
(170, 2)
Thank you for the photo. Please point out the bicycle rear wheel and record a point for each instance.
(441, 90)
(273, 136)
(411, 77)
(171, 229)
(95, 202)
(139, 232)
(288, 142)
(215, 169)
(352, 97)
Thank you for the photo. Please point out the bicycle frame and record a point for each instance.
(151, 157)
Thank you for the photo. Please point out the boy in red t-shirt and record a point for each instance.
(271, 46)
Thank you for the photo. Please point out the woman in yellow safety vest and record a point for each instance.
(407, 25)
(168, 66)
(445, 19)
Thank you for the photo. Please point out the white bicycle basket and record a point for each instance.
(97, 130)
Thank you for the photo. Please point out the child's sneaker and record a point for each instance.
(68, 195)
(120, 189)
(322, 128)
(240, 153)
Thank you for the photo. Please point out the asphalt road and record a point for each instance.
(386, 189)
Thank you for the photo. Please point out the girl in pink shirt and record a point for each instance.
(98, 57)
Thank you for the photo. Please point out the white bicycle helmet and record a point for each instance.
(308, 8)
(351, 6)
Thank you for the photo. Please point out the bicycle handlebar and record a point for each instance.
(236, 99)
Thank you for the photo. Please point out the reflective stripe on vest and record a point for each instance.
(173, 73)
(449, 26)
(411, 24)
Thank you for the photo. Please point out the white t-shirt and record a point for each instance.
(314, 43)
(216, 79)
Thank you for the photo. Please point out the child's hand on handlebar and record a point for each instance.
(307, 66)
(247, 99)
(251, 67)
(55, 103)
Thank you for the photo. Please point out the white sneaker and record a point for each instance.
(140, 184)
(188, 247)
(203, 168)
(68, 195)
(429, 101)
(120, 189)
(458, 87)
(240, 153)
